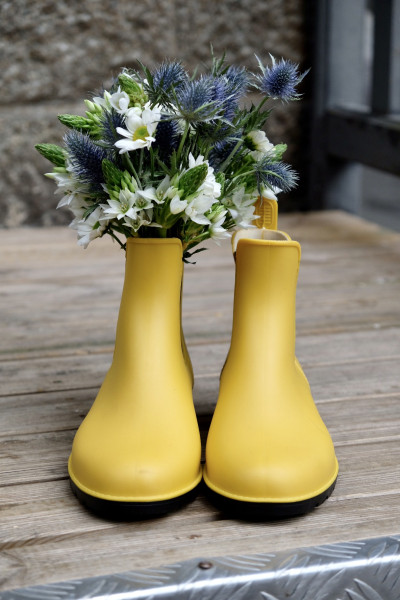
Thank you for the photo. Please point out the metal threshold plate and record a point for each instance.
(360, 570)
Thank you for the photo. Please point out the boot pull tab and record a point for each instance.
(267, 211)
(264, 228)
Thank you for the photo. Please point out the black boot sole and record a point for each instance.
(132, 511)
(266, 511)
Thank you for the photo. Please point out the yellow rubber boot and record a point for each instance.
(137, 453)
(268, 451)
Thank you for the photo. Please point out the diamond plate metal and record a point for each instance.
(360, 570)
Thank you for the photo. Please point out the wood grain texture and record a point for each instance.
(58, 311)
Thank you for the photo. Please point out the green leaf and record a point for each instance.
(187, 255)
(280, 150)
(88, 212)
(251, 118)
(220, 178)
(192, 179)
(53, 153)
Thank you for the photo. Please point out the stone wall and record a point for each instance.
(53, 54)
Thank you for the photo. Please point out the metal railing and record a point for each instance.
(357, 98)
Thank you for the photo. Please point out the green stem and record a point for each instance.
(242, 175)
(141, 161)
(263, 101)
(112, 234)
(152, 162)
(231, 185)
(162, 165)
(182, 142)
(227, 160)
(132, 169)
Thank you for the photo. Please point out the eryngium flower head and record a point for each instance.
(167, 137)
(238, 80)
(169, 74)
(279, 81)
(86, 158)
(224, 96)
(110, 120)
(195, 100)
(225, 106)
(275, 175)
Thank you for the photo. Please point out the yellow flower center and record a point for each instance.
(141, 133)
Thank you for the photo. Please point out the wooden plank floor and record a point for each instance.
(58, 311)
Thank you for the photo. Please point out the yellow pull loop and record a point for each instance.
(267, 210)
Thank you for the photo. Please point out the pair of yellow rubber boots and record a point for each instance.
(268, 453)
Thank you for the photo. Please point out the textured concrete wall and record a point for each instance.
(52, 54)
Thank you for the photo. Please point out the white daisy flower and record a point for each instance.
(90, 228)
(177, 205)
(217, 232)
(74, 191)
(241, 207)
(123, 207)
(196, 208)
(144, 198)
(140, 127)
(160, 194)
(259, 143)
(139, 220)
(119, 101)
(78, 206)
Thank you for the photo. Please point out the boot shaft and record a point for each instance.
(149, 316)
(264, 314)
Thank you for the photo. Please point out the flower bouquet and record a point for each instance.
(164, 154)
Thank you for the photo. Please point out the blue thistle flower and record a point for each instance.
(167, 137)
(195, 100)
(238, 81)
(223, 96)
(169, 74)
(279, 81)
(109, 122)
(225, 106)
(86, 158)
(275, 175)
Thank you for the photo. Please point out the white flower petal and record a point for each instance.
(119, 101)
(148, 194)
(200, 219)
(124, 132)
(133, 121)
(177, 205)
